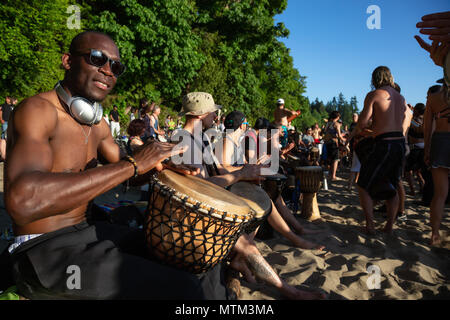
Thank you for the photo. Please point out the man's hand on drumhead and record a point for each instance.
(182, 168)
(152, 153)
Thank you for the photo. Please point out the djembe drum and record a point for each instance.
(292, 163)
(257, 199)
(192, 224)
(314, 154)
(310, 179)
(273, 185)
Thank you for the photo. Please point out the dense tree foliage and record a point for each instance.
(33, 37)
(229, 48)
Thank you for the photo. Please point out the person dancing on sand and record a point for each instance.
(332, 138)
(387, 109)
(437, 146)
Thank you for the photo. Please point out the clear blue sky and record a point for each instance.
(332, 46)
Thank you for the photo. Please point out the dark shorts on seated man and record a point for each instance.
(382, 170)
(110, 261)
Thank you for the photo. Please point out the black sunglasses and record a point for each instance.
(99, 59)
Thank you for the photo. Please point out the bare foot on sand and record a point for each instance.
(369, 231)
(388, 229)
(435, 240)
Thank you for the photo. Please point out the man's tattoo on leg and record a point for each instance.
(261, 269)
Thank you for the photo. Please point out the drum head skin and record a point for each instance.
(205, 192)
(254, 196)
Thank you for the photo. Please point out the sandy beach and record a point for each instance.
(408, 267)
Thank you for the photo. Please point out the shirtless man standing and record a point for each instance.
(51, 175)
(281, 116)
(389, 114)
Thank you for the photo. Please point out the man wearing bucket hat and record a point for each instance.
(199, 109)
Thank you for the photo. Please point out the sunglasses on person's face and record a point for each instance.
(99, 59)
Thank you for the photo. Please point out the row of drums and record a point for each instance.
(193, 224)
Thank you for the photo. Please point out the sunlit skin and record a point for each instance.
(51, 191)
(389, 112)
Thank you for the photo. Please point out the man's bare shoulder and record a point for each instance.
(42, 102)
(40, 106)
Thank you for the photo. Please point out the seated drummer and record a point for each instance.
(51, 175)
(200, 111)
(233, 156)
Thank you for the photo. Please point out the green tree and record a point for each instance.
(34, 36)
(156, 42)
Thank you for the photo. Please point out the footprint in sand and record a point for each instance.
(315, 280)
(276, 258)
(336, 263)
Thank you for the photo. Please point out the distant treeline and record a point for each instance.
(228, 48)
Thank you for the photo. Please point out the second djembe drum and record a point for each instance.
(310, 179)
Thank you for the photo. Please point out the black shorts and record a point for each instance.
(332, 151)
(414, 161)
(382, 169)
(112, 263)
(440, 150)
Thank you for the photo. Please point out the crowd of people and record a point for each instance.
(48, 197)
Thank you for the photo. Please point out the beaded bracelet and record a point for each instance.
(133, 162)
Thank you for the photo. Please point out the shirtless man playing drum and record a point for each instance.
(390, 119)
(51, 175)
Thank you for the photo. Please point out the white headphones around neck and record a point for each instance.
(81, 109)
